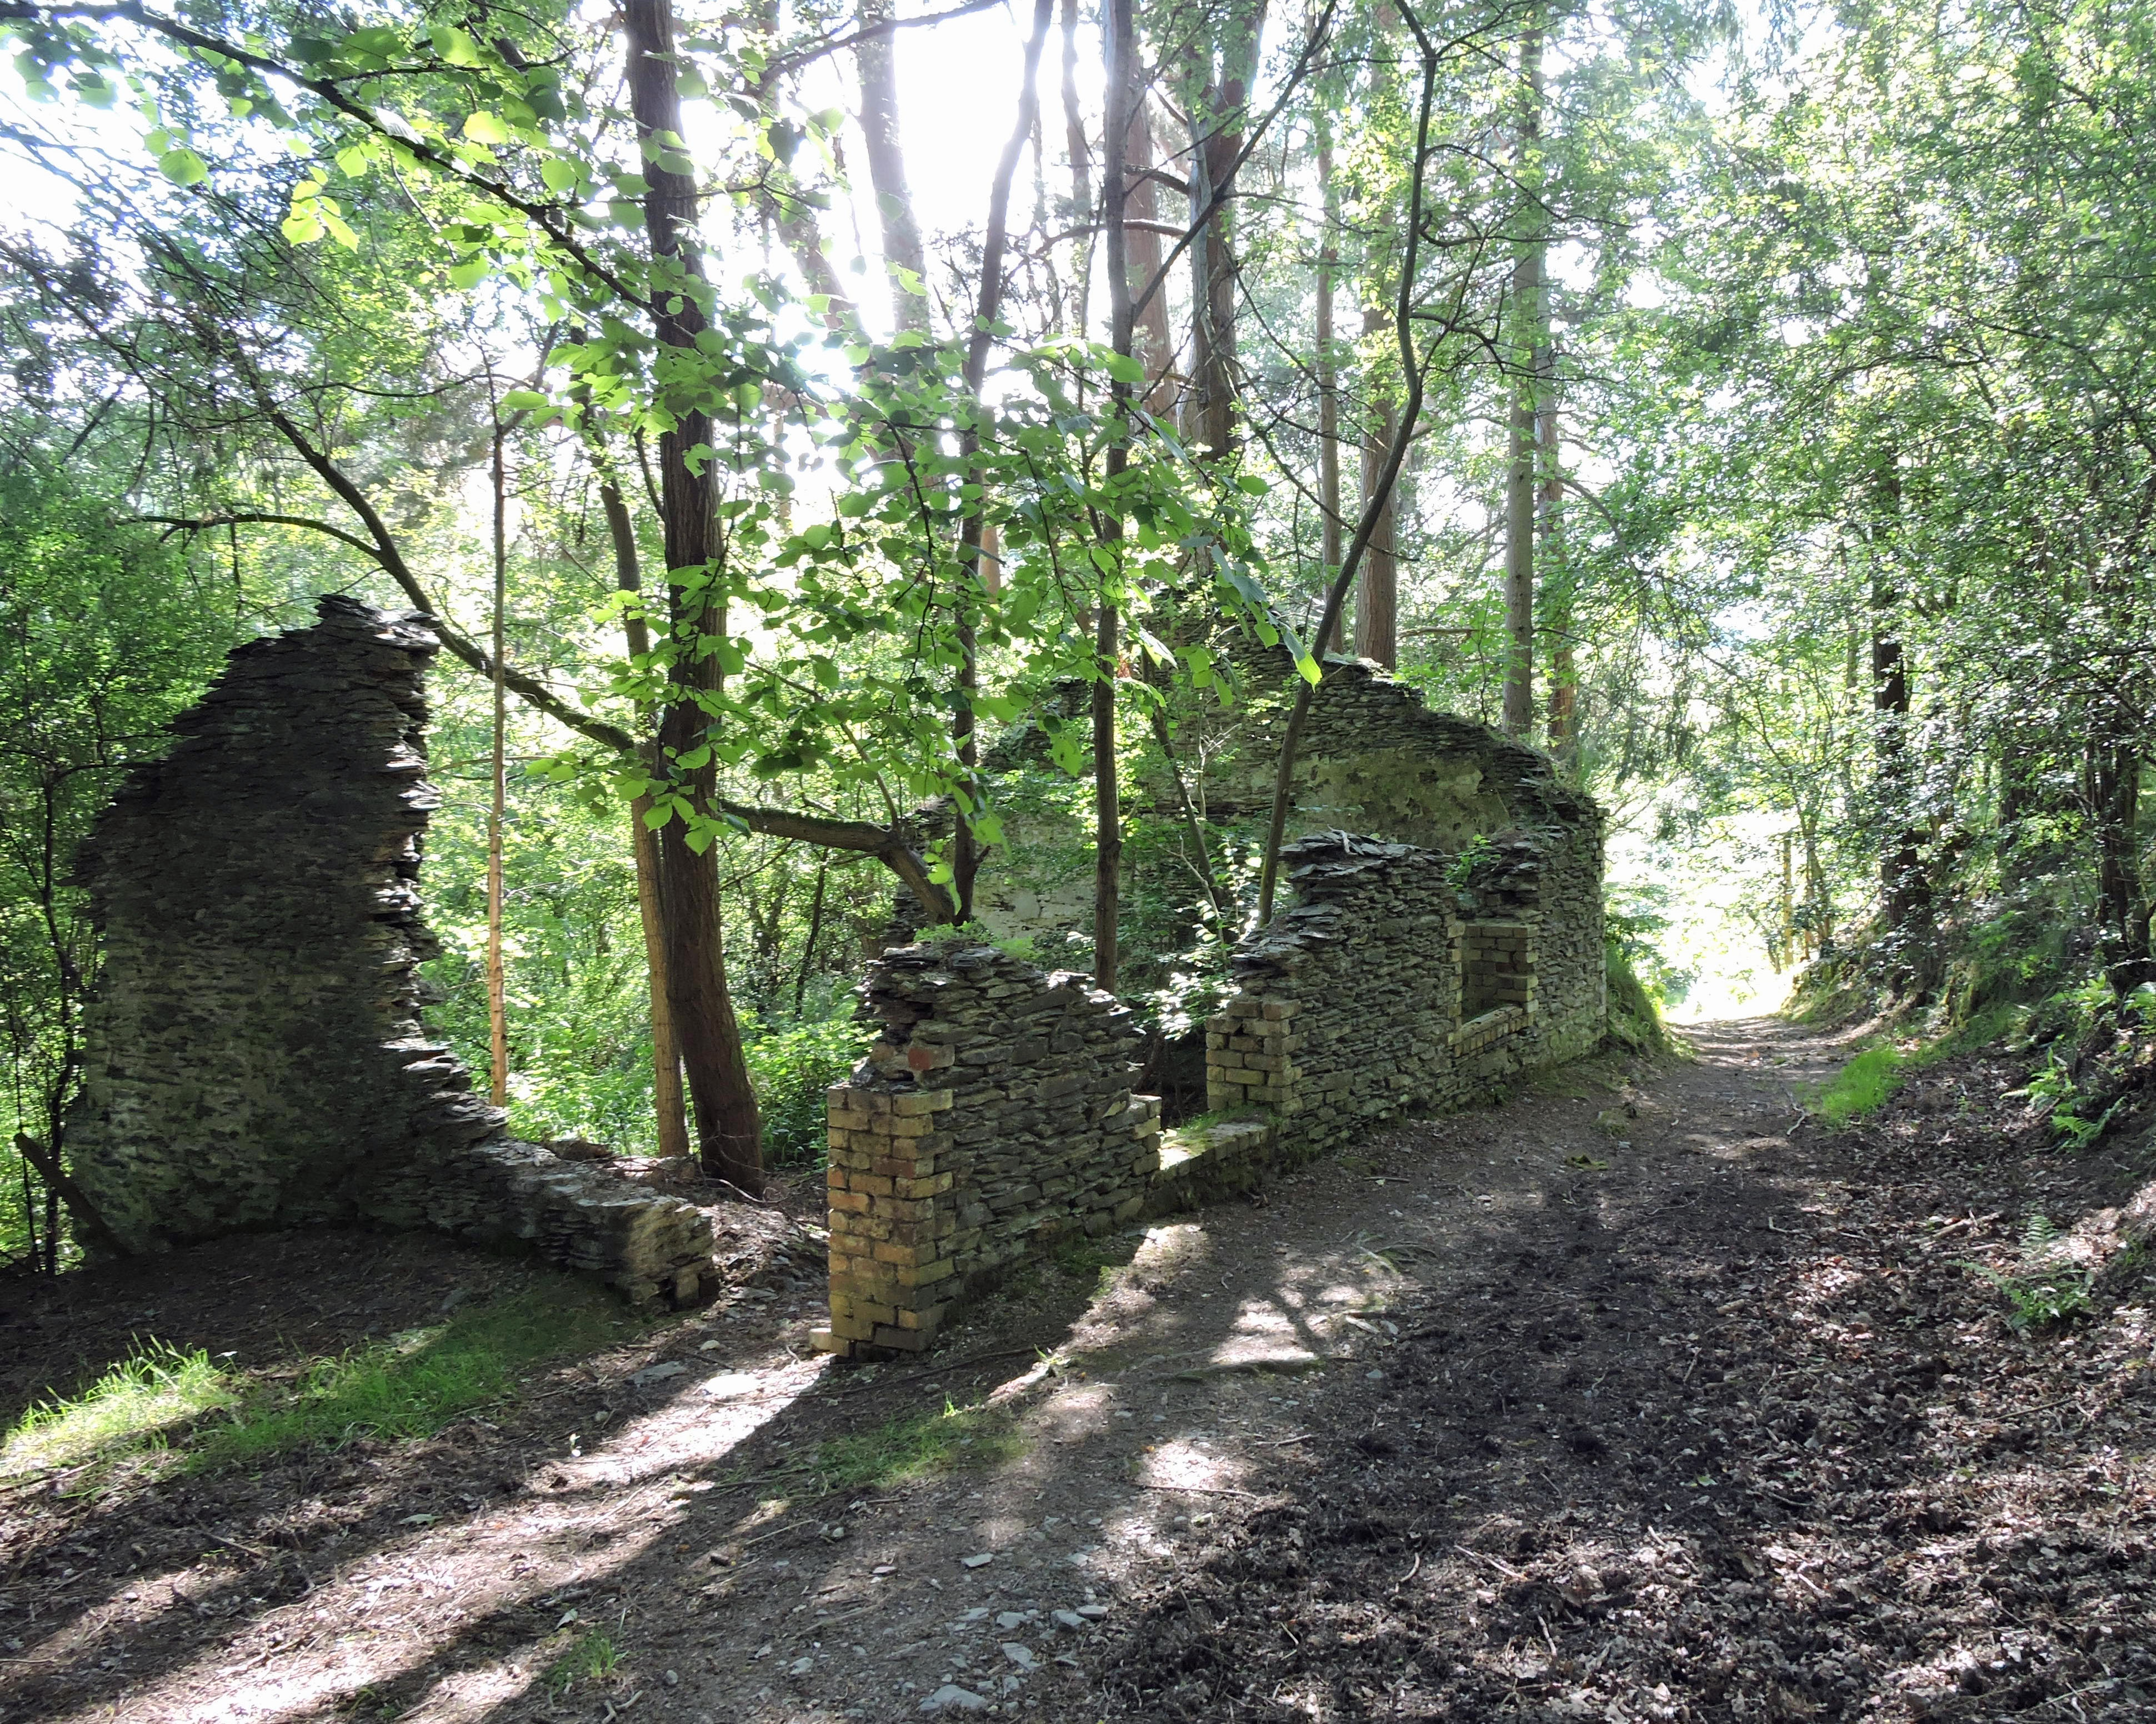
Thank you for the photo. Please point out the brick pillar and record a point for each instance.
(1250, 1047)
(892, 1216)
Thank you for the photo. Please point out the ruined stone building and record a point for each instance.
(255, 1053)
(1441, 934)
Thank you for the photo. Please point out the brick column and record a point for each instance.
(1250, 1049)
(892, 1218)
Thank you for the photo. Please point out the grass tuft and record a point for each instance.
(416, 1383)
(133, 1406)
(914, 1446)
(410, 1386)
(593, 1657)
(1862, 1086)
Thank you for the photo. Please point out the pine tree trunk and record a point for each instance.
(1377, 588)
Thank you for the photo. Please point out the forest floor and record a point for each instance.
(1698, 1413)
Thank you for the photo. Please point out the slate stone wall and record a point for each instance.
(255, 1054)
(1395, 985)
(992, 1117)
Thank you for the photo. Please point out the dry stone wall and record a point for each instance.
(992, 1117)
(1399, 981)
(255, 1053)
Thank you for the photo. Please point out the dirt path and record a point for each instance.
(1507, 1415)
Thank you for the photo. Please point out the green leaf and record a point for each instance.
(183, 167)
(470, 273)
(1123, 368)
(1252, 486)
(524, 400)
(485, 128)
(562, 177)
(657, 815)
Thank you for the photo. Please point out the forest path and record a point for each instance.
(1501, 1414)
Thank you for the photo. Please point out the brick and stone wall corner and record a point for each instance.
(993, 1117)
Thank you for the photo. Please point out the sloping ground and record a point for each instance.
(1732, 1430)
(1506, 1415)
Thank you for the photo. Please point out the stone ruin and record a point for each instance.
(1450, 943)
(256, 1057)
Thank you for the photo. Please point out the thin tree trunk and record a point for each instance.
(1556, 579)
(1377, 591)
(988, 307)
(668, 1107)
(2115, 800)
(1904, 894)
(497, 985)
(875, 58)
(1081, 159)
(815, 932)
(1411, 366)
(728, 1137)
(1154, 346)
(60, 1187)
(1219, 89)
(788, 207)
(1119, 41)
(1328, 376)
(1519, 479)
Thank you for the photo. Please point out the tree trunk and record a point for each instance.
(875, 58)
(2123, 908)
(497, 980)
(1081, 159)
(973, 589)
(1328, 378)
(1119, 43)
(1904, 893)
(1154, 347)
(728, 1137)
(1217, 88)
(1412, 369)
(1556, 574)
(1377, 587)
(668, 1108)
(1530, 318)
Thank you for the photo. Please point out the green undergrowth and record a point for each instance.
(1635, 1021)
(2046, 1286)
(132, 1407)
(592, 1657)
(914, 1446)
(1871, 1079)
(202, 1414)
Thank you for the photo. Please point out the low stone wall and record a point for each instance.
(993, 1115)
(1375, 995)
(254, 1052)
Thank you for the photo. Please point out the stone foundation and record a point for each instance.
(256, 1057)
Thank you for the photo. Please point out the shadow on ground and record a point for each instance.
(1506, 1415)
